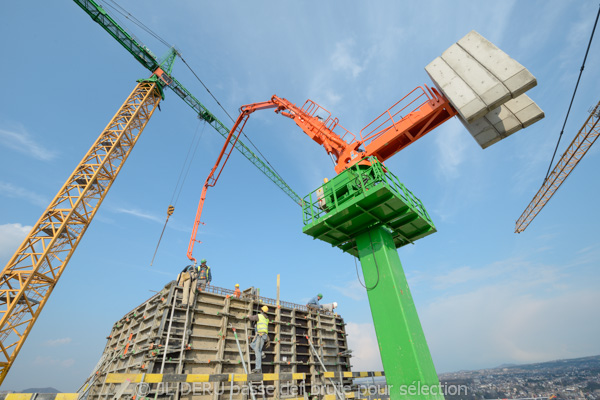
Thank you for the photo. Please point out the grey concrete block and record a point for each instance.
(482, 131)
(493, 127)
(488, 137)
(480, 80)
(477, 126)
(504, 121)
(525, 110)
(520, 83)
(463, 98)
(511, 73)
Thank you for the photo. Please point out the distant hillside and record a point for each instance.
(41, 390)
(506, 365)
(592, 361)
(555, 379)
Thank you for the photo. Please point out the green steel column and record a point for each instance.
(408, 366)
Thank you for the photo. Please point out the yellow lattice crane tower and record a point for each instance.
(32, 273)
(584, 139)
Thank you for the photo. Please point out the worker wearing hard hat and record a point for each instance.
(329, 307)
(237, 292)
(204, 274)
(314, 302)
(262, 337)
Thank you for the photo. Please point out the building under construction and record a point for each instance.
(212, 336)
(364, 210)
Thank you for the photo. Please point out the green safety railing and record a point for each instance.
(356, 181)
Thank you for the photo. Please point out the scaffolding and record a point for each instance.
(164, 336)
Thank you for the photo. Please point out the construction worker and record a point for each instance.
(314, 302)
(237, 292)
(262, 336)
(188, 279)
(329, 307)
(204, 275)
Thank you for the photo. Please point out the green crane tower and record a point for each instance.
(367, 212)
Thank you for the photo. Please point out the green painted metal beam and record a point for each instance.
(150, 62)
(137, 50)
(366, 211)
(407, 362)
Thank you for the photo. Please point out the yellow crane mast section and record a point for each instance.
(584, 139)
(30, 276)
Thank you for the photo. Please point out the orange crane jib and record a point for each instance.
(409, 119)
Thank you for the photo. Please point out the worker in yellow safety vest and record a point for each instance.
(262, 336)
(204, 274)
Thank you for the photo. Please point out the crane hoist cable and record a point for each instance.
(376, 266)
(189, 164)
(126, 14)
(171, 208)
(573, 97)
(232, 120)
(119, 9)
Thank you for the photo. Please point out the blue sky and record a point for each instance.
(485, 295)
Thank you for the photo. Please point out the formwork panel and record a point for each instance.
(163, 336)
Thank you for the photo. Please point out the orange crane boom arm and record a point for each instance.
(408, 120)
(213, 176)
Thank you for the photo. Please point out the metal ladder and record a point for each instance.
(338, 394)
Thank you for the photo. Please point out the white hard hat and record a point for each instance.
(334, 304)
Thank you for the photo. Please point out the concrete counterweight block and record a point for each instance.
(489, 89)
(486, 87)
(461, 95)
(505, 120)
(513, 75)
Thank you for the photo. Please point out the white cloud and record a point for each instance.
(53, 362)
(546, 22)
(524, 273)
(11, 236)
(343, 60)
(328, 86)
(492, 325)
(23, 143)
(511, 311)
(10, 190)
(140, 214)
(58, 342)
(352, 289)
(365, 351)
(501, 19)
(451, 145)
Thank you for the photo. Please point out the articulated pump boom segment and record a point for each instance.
(367, 212)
